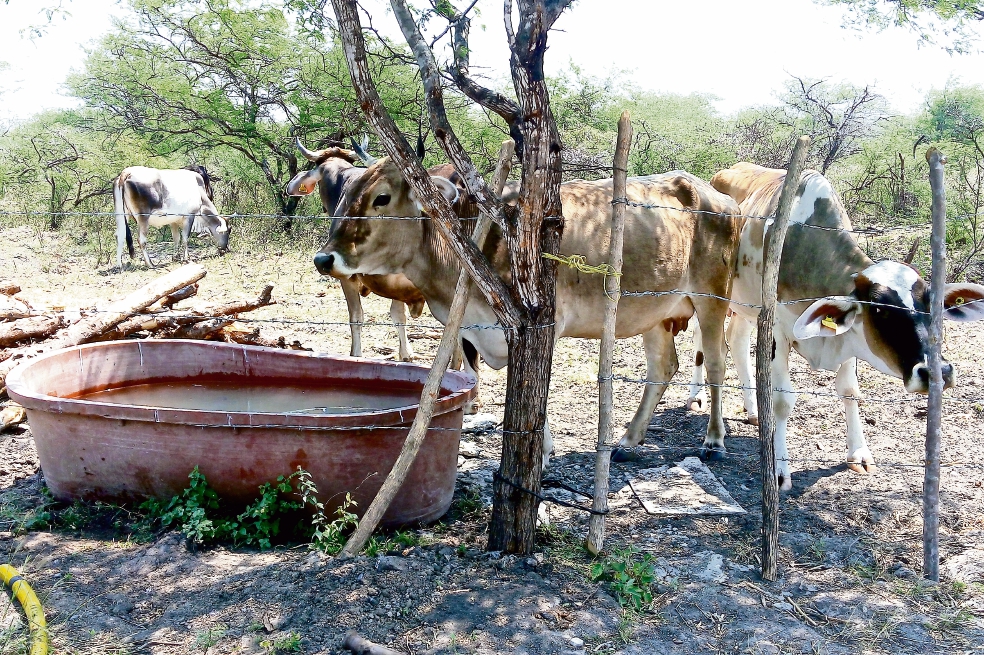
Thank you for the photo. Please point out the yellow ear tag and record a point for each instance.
(959, 300)
(829, 322)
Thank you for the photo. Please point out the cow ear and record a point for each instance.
(445, 186)
(827, 318)
(963, 302)
(304, 183)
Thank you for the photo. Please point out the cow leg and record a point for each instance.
(176, 240)
(470, 361)
(186, 226)
(458, 358)
(661, 366)
(142, 240)
(782, 405)
(740, 344)
(398, 314)
(350, 289)
(698, 393)
(711, 315)
(859, 458)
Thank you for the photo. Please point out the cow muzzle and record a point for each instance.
(324, 262)
(918, 381)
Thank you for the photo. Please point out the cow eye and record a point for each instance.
(381, 200)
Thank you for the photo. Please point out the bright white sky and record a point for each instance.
(741, 52)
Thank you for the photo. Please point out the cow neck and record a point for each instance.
(434, 267)
(817, 263)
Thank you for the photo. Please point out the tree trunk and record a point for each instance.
(514, 510)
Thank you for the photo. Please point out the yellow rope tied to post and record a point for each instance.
(580, 262)
(32, 608)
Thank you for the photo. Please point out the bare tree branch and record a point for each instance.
(493, 289)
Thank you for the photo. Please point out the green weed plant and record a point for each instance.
(629, 574)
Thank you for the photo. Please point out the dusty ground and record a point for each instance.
(851, 543)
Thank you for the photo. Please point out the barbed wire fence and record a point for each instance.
(608, 377)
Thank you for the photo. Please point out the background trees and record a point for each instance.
(223, 83)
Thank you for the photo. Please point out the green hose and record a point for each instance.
(31, 605)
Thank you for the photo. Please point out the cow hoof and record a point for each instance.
(752, 420)
(695, 405)
(624, 455)
(785, 483)
(864, 468)
(713, 454)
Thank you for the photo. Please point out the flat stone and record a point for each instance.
(391, 563)
(687, 488)
(479, 423)
(967, 567)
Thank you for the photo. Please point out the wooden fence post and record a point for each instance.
(934, 415)
(432, 386)
(774, 239)
(596, 525)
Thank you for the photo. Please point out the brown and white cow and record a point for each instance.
(875, 311)
(180, 199)
(664, 250)
(333, 173)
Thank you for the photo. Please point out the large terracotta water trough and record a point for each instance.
(126, 420)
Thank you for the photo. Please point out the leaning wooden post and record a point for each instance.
(775, 237)
(934, 415)
(432, 386)
(603, 458)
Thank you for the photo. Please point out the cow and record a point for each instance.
(664, 250)
(333, 174)
(875, 311)
(180, 199)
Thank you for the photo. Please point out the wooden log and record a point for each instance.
(179, 295)
(12, 309)
(934, 413)
(199, 330)
(170, 322)
(763, 361)
(603, 455)
(8, 288)
(11, 415)
(92, 326)
(359, 645)
(432, 386)
(36, 327)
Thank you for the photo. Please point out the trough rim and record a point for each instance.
(457, 388)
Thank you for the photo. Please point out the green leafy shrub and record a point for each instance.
(630, 575)
(197, 512)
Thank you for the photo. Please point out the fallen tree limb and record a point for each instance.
(12, 308)
(179, 295)
(93, 326)
(199, 330)
(359, 645)
(37, 327)
(170, 324)
(8, 288)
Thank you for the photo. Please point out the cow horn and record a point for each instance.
(309, 154)
(360, 150)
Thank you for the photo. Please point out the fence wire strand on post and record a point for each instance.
(603, 456)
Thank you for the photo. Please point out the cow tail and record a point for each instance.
(123, 233)
(129, 242)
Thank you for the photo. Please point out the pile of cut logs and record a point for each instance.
(148, 312)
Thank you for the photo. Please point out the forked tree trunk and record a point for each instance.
(514, 510)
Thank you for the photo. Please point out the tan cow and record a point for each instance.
(334, 171)
(876, 311)
(664, 250)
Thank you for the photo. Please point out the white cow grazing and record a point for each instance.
(154, 197)
(878, 312)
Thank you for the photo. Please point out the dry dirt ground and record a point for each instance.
(851, 544)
